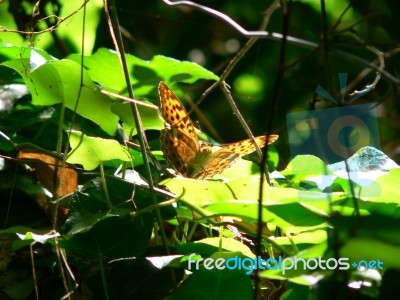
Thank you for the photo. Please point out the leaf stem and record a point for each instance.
(104, 184)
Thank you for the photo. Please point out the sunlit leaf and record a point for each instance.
(145, 75)
(91, 151)
(60, 82)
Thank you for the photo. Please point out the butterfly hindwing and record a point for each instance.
(218, 162)
(224, 157)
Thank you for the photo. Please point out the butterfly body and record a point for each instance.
(183, 149)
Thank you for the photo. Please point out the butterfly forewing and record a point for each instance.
(175, 114)
(179, 141)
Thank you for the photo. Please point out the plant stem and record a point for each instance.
(104, 184)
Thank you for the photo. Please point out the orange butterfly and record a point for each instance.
(185, 153)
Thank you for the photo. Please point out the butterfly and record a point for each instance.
(183, 150)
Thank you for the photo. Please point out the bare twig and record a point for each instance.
(129, 100)
(279, 37)
(52, 28)
(221, 82)
(381, 62)
(112, 17)
(240, 29)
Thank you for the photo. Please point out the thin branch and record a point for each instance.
(129, 100)
(221, 82)
(381, 62)
(274, 104)
(52, 28)
(279, 37)
(250, 34)
(112, 17)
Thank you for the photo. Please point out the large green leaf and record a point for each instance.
(305, 237)
(209, 246)
(297, 273)
(149, 115)
(10, 53)
(145, 75)
(284, 207)
(368, 249)
(8, 21)
(371, 237)
(303, 166)
(292, 217)
(203, 192)
(91, 151)
(384, 189)
(59, 81)
(199, 192)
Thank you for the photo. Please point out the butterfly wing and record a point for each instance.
(178, 149)
(247, 146)
(223, 158)
(179, 141)
(181, 146)
(217, 162)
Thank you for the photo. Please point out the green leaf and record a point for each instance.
(20, 289)
(199, 192)
(21, 53)
(307, 237)
(385, 228)
(149, 115)
(145, 75)
(8, 21)
(91, 151)
(202, 192)
(297, 274)
(303, 166)
(370, 248)
(292, 217)
(384, 189)
(209, 246)
(296, 292)
(285, 207)
(370, 238)
(52, 82)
